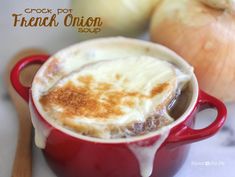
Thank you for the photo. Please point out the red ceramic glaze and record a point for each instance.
(69, 156)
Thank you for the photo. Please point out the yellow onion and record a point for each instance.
(119, 17)
(203, 33)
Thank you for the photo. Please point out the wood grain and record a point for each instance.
(22, 166)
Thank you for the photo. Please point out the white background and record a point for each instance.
(213, 157)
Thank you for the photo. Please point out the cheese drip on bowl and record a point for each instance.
(115, 98)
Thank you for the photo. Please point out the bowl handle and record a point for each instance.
(185, 134)
(22, 90)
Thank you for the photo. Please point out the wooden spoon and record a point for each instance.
(23, 158)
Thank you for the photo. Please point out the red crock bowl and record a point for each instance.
(72, 155)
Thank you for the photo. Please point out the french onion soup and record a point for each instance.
(118, 98)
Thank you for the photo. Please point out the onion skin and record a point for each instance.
(119, 17)
(205, 37)
(219, 4)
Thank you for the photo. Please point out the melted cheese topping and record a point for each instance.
(103, 96)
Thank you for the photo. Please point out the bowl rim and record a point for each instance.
(99, 41)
